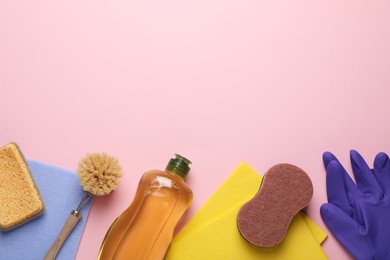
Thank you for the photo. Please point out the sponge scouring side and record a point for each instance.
(20, 200)
(285, 190)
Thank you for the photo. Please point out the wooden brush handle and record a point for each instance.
(66, 229)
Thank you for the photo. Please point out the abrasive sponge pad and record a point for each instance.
(20, 200)
(285, 190)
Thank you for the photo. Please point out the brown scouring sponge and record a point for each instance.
(19, 197)
(285, 190)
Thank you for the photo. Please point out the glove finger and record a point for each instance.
(382, 171)
(364, 177)
(327, 157)
(344, 228)
(336, 187)
(350, 186)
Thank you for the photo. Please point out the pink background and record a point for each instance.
(217, 81)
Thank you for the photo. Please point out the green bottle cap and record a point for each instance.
(179, 165)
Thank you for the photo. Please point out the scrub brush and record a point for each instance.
(99, 175)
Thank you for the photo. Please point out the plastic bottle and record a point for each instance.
(145, 229)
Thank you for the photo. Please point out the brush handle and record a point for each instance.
(66, 229)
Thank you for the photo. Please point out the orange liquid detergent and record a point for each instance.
(145, 229)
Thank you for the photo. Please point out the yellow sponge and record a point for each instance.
(19, 197)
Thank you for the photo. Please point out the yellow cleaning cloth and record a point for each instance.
(212, 233)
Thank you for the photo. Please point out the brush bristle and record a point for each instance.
(99, 173)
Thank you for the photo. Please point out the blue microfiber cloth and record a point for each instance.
(61, 192)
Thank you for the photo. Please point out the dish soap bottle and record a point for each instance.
(145, 229)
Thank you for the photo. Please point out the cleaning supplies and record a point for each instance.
(60, 190)
(99, 175)
(145, 229)
(212, 232)
(285, 190)
(19, 197)
(358, 215)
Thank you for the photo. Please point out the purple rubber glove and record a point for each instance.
(359, 216)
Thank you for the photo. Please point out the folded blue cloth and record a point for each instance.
(61, 193)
